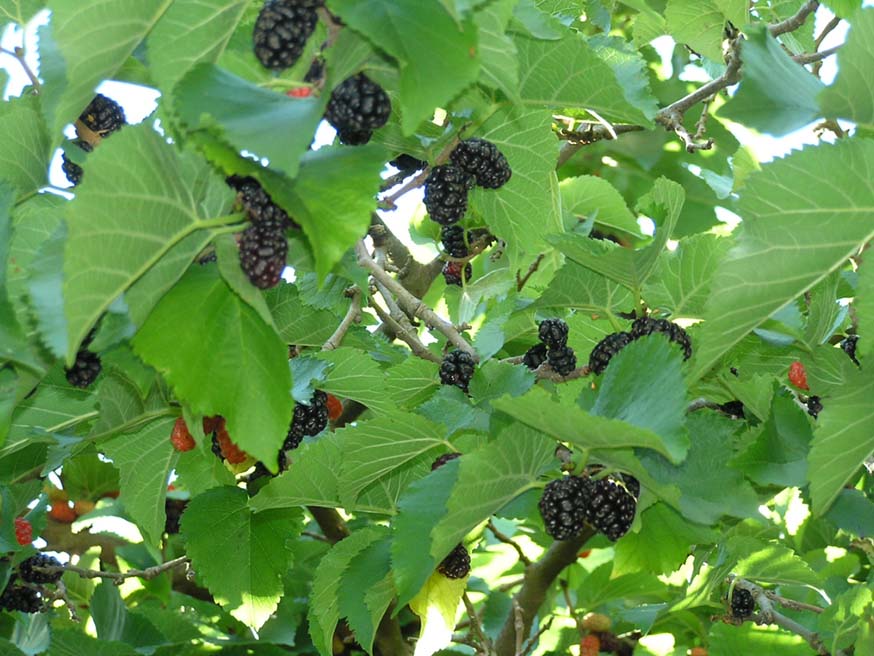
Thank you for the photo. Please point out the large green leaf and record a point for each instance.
(355, 375)
(138, 201)
(777, 95)
(575, 286)
(226, 361)
(590, 197)
(701, 23)
(20, 11)
(425, 40)
(780, 251)
(500, 65)
(241, 557)
(769, 563)
(852, 94)
(25, 155)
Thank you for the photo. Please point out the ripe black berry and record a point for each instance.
(611, 508)
(632, 485)
(87, 366)
(19, 597)
(742, 603)
(457, 564)
(308, 419)
(848, 344)
(257, 202)
(563, 506)
(446, 193)
(452, 238)
(814, 406)
(442, 460)
(457, 369)
(734, 409)
(483, 160)
(263, 250)
(535, 356)
(357, 107)
(103, 115)
(173, 508)
(454, 273)
(562, 360)
(648, 326)
(407, 164)
(261, 470)
(281, 31)
(553, 333)
(604, 350)
(72, 170)
(27, 572)
(316, 71)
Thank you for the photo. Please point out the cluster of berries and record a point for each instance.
(87, 366)
(457, 369)
(608, 504)
(604, 350)
(101, 118)
(472, 162)
(28, 598)
(553, 348)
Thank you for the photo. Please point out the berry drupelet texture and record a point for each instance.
(263, 252)
(814, 406)
(281, 31)
(457, 273)
(29, 572)
(563, 360)
(456, 565)
(483, 160)
(87, 366)
(553, 333)
(604, 350)
(442, 460)
(611, 508)
(446, 194)
(257, 203)
(357, 107)
(21, 598)
(848, 344)
(452, 238)
(309, 419)
(742, 603)
(563, 506)
(103, 115)
(407, 164)
(535, 356)
(457, 369)
(648, 326)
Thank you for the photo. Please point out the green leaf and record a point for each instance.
(145, 460)
(662, 544)
(324, 610)
(776, 96)
(24, 159)
(569, 73)
(841, 440)
(248, 117)
(644, 387)
(631, 69)
(91, 56)
(851, 94)
(89, 477)
(780, 252)
(411, 382)
(727, 640)
(46, 287)
(373, 449)
(588, 196)
(73, 642)
(228, 254)
(843, 619)
(853, 512)
(575, 286)
(369, 572)
(499, 63)
(240, 556)
(354, 375)
(191, 33)
(426, 42)
(682, 283)
(297, 323)
(495, 379)
(701, 23)
(569, 423)
(20, 11)
(252, 386)
(769, 563)
(137, 202)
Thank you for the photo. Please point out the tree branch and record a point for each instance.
(19, 54)
(481, 641)
(521, 281)
(407, 336)
(538, 579)
(353, 315)
(501, 537)
(117, 577)
(813, 57)
(795, 21)
(410, 304)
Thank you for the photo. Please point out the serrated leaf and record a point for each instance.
(587, 196)
(494, 379)
(240, 556)
(630, 68)
(369, 571)
(226, 361)
(769, 563)
(297, 323)
(45, 286)
(780, 252)
(776, 95)
(850, 96)
(426, 41)
(499, 64)
(853, 512)
(73, 642)
(25, 156)
(701, 23)
(354, 375)
(145, 460)
(575, 286)
(842, 440)
(411, 382)
(20, 11)
(437, 604)
(133, 207)
(324, 610)
(373, 449)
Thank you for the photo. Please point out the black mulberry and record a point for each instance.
(173, 508)
(456, 273)
(263, 250)
(281, 31)
(563, 506)
(87, 366)
(535, 356)
(604, 350)
(483, 160)
(457, 369)
(407, 164)
(357, 107)
(848, 344)
(308, 419)
(27, 572)
(742, 603)
(103, 115)
(442, 460)
(814, 406)
(553, 333)
(19, 597)
(257, 202)
(648, 326)
(72, 170)
(446, 193)
(562, 360)
(452, 238)
(611, 508)
(457, 564)
(734, 409)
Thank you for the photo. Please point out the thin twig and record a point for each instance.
(700, 404)
(795, 21)
(828, 29)
(353, 315)
(390, 201)
(519, 626)
(546, 372)
(532, 641)
(20, 55)
(416, 346)
(588, 133)
(316, 536)
(410, 304)
(118, 577)
(701, 125)
(484, 644)
(502, 537)
(61, 595)
(812, 57)
(522, 280)
(565, 589)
